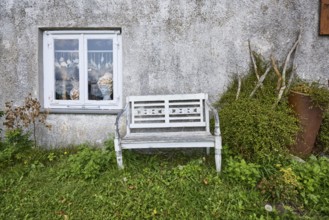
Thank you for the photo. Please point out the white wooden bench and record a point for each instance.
(168, 121)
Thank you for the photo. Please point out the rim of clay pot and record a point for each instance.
(301, 93)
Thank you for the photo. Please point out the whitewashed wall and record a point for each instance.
(169, 46)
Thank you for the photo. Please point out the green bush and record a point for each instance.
(87, 163)
(190, 171)
(239, 171)
(254, 126)
(254, 130)
(16, 143)
(281, 187)
(314, 178)
(323, 136)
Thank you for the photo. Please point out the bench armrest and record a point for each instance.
(215, 114)
(117, 121)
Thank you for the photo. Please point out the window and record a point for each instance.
(82, 69)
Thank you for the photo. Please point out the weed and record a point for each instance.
(87, 163)
(14, 147)
(20, 123)
(280, 187)
(323, 136)
(239, 171)
(25, 116)
(314, 178)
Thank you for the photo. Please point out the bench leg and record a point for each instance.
(119, 159)
(218, 153)
(118, 153)
(208, 151)
(218, 159)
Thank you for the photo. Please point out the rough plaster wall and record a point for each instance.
(313, 53)
(169, 46)
(94, 129)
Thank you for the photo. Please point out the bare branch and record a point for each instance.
(283, 86)
(277, 72)
(253, 60)
(288, 58)
(260, 82)
(239, 88)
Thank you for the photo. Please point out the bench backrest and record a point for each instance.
(165, 112)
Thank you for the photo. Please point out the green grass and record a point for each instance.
(163, 186)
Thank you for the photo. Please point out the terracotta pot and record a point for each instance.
(310, 118)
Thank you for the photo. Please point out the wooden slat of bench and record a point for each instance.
(150, 119)
(168, 140)
(168, 125)
(167, 97)
(188, 103)
(184, 118)
(149, 105)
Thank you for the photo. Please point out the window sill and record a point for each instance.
(82, 111)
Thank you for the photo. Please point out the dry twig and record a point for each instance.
(288, 58)
(253, 60)
(277, 72)
(283, 85)
(239, 88)
(260, 82)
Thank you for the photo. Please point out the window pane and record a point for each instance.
(100, 69)
(66, 67)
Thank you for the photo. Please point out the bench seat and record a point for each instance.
(167, 140)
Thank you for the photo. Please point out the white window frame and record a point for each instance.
(83, 102)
